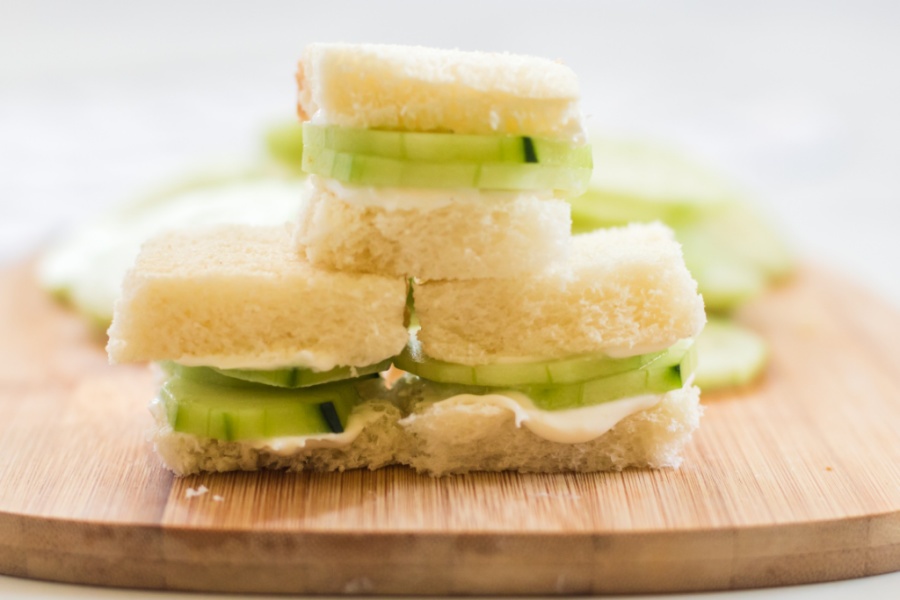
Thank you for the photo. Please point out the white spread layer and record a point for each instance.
(570, 426)
(423, 199)
(317, 361)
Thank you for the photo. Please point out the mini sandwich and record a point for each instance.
(266, 361)
(438, 164)
(585, 366)
(536, 351)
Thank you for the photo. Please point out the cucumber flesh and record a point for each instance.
(444, 147)
(670, 370)
(228, 411)
(361, 169)
(298, 377)
(563, 371)
(729, 355)
(284, 143)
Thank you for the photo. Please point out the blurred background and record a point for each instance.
(798, 100)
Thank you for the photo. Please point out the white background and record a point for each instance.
(799, 100)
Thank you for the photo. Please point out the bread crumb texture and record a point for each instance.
(622, 290)
(444, 439)
(428, 89)
(506, 237)
(237, 291)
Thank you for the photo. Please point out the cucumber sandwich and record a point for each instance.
(266, 361)
(536, 351)
(439, 164)
(585, 366)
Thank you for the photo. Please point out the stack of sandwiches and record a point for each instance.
(437, 185)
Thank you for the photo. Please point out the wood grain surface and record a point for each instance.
(795, 480)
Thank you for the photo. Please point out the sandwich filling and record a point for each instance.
(571, 400)
(283, 409)
(445, 160)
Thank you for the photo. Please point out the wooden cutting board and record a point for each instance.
(796, 480)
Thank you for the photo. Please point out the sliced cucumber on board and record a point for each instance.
(729, 355)
(284, 143)
(733, 253)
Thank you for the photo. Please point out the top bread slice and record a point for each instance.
(622, 292)
(433, 90)
(240, 297)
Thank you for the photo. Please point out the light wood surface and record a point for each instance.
(795, 480)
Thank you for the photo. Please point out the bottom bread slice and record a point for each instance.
(442, 438)
(445, 438)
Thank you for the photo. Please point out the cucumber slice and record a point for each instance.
(362, 169)
(667, 372)
(563, 371)
(225, 410)
(284, 143)
(298, 377)
(729, 355)
(649, 177)
(445, 147)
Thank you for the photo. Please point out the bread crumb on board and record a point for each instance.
(191, 492)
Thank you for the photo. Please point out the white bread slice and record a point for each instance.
(495, 234)
(427, 89)
(623, 292)
(240, 297)
(186, 454)
(458, 438)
